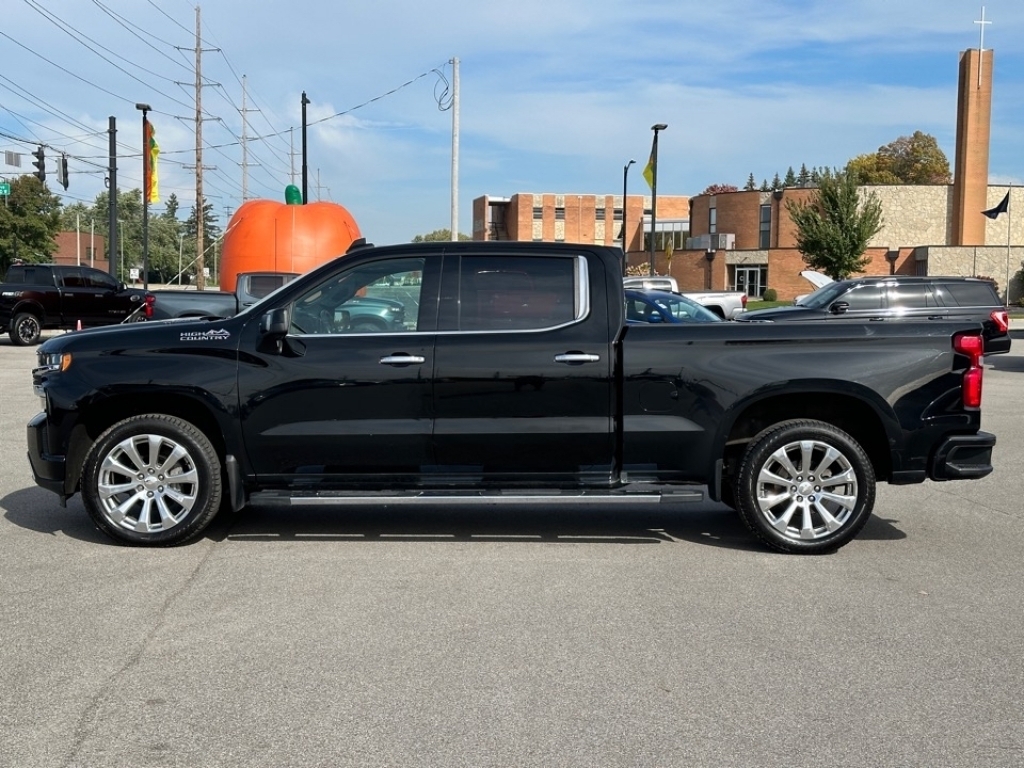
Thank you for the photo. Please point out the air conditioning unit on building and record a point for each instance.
(699, 243)
(723, 241)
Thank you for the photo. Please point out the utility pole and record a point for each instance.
(245, 142)
(112, 233)
(455, 149)
(200, 279)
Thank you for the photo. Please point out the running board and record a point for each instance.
(411, 498)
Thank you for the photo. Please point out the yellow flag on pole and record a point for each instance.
(150, 155)
(649, 170)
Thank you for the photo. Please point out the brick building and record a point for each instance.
(83, 248)
(582, 218)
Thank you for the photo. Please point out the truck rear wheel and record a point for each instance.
(25, 330)
(152, 480)
(805, 487)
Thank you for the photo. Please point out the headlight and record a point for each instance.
(54, 361)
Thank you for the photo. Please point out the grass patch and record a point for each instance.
(752, 305)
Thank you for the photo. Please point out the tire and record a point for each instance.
(152, 480)
(805, 487)
(25, 330)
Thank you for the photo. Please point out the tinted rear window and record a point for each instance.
(29, 275)
(970, 294)
(264, 285)
(911, 296)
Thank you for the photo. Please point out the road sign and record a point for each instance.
(5, 188)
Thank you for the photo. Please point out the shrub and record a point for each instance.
(770, 294)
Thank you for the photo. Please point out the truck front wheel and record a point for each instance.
(152, 480)
(25, 330)
(805, 487)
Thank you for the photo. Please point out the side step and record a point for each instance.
(409, 498)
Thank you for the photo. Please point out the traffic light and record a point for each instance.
(40, 164)
(62, 171)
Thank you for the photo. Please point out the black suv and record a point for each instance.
(902, 298)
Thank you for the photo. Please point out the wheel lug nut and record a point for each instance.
(141, 488)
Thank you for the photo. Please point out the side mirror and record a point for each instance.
(121, 287)
(839, 307)
(274, 324)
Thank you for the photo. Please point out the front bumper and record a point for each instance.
(47, 469)
(963, 457)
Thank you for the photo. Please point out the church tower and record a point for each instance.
(973, 126)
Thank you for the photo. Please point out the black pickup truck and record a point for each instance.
(34, 297)
(513, 378)
(250, 287)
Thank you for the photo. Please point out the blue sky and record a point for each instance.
(555, 95)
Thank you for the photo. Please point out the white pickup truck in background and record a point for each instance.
(725, 304)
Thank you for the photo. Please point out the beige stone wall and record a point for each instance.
(995, 230)
(997, 262)
(913, 215)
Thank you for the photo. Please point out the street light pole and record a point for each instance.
(146, 170)
(625, 242)
(305, 167)
(654, 191)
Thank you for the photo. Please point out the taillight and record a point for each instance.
(743, 300)
(1001, 318)
(150, 301)
(973, 347)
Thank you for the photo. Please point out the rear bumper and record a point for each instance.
(47, 469)
(963, 457)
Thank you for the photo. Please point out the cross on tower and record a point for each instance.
(982, 23)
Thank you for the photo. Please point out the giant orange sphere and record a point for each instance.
(268, 236)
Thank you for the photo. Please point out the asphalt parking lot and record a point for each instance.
(522, 637)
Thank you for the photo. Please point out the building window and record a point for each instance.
(560, 214)
(617, 214)
(538, 212)
(765, 234)
(712, 220)
(599, 214)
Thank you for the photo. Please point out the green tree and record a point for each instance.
(804, 177)
(439, 235)
(751, 185)
(790, 180)
(171, 207)
(835, 225)
(871, 169)
(28, 222)
(719, 189)
(915, 159)
(776, 182)
(211, 233)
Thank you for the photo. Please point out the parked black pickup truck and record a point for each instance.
(250, 287)
(512, 378)
(34, 297)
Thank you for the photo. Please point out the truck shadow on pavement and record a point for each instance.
(708, 524)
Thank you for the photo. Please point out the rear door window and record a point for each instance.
(911, 296)
(516, 292)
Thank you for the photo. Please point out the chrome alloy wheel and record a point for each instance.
(147, 483)
(807, 489)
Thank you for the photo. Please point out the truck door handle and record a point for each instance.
(402, 359)
(576, 357)
(934, 317)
